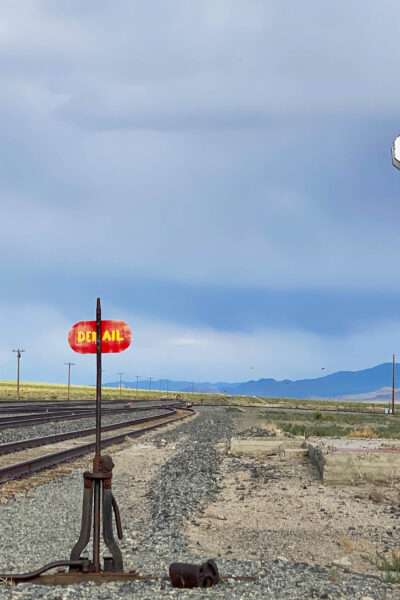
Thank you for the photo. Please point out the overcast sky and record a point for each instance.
(218, 172)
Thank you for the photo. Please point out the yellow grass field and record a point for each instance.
(52, 392)
(33, 391)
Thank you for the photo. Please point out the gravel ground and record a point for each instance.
(32, 431)
(184, 478)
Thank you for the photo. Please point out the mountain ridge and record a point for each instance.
(333, 385)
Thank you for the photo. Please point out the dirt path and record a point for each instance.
(279, 508)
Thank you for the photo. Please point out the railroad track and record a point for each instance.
(19, 445)
(51, 415)
(36, 406)
(29, 407)
(30, 461)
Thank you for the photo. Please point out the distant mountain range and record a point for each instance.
(367, 382)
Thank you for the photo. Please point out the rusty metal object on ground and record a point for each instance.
(82, 565)
(84, 574)
(185, 575)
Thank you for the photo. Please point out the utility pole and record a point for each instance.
(167, 386)
(120, 385)
(393, 381)
(137, 385)
(19, 352)
(150, 384)
(69, 364)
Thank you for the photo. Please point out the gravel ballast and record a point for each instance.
(181, 476)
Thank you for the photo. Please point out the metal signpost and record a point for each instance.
(89, 337)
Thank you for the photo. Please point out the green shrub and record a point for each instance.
(390, 565)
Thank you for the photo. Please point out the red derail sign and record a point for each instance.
(116, 336)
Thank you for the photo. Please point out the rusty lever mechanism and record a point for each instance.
(97, 484)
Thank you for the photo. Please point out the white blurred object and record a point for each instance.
(396, 153)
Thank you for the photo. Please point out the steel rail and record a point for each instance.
(39, 405)
(57, 408)
(35, 465)
(32, 408)
(22, 421)
(54, 407)
(28, 409)
(19, 445)
(44, 415)
(36, 405)
(45, 411)
(14, 414)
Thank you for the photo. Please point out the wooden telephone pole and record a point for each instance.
(393, 381)
(18, 351)
(120, 384)
(69, 365)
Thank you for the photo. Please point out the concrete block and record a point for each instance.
(263, 447)
(351, 464)
(296, 452)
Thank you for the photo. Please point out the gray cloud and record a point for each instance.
(165, 349)
(235, 144)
